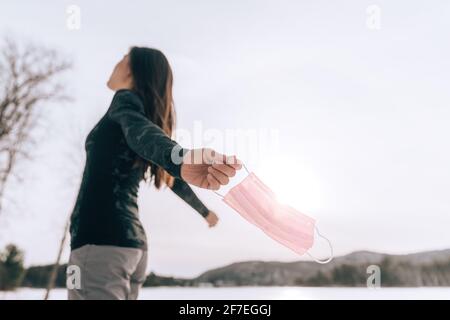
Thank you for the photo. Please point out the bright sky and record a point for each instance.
(360, 114)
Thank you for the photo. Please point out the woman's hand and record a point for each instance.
(212, 219)
(208, 169)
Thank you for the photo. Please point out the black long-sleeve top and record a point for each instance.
(106, 210)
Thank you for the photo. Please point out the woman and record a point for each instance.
(131, 142)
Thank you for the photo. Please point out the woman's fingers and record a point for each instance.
(221, 167)
(234, 162)
(225, 169)
(219, 175)
(228, 166)
(213, 183)
(211, 156)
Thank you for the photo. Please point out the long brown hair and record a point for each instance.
(152, 81)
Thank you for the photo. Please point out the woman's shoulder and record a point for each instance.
(126, 99)
(127, 95)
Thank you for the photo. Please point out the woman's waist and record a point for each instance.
(116, 224)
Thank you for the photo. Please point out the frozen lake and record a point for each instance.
(271, 293)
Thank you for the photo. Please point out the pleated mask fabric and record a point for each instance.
(258, 204)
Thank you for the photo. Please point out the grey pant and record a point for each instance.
(108, 272)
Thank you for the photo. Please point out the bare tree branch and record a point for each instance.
(28, 79)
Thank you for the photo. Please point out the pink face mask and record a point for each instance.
(255, 202)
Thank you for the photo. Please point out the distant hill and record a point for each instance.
(420, 269)
(431, 268)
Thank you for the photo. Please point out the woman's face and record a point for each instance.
(121, 76)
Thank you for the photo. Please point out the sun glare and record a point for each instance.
(293, 182)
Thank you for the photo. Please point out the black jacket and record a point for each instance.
(106, 210)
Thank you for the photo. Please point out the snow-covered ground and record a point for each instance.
(294, 293)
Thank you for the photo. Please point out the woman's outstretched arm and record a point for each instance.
(144, 137)
(202, 167)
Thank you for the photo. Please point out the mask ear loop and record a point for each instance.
(331, 249)
(218, 194)
(222, 195)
